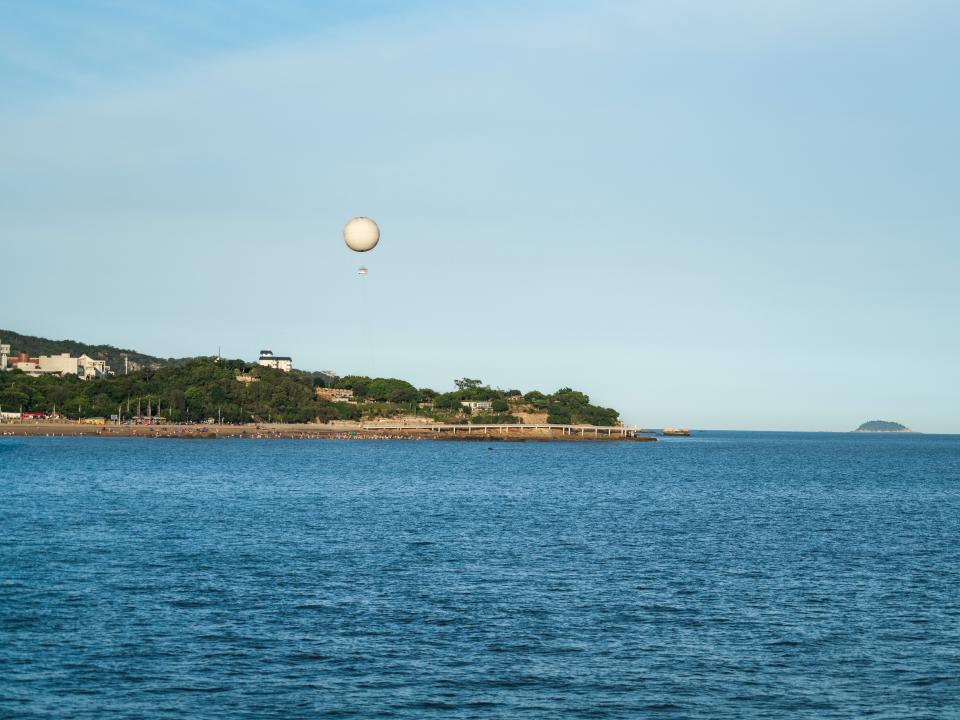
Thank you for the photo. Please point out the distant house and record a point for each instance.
(478, 406)
(268, 359)
(13, 362)
(28, 365)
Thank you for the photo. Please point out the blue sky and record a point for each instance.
(722, 215)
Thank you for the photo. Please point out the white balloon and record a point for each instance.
(361, 234)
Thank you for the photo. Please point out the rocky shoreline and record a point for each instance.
(295, 432)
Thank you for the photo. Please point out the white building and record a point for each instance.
(268, 359)
(61, 364)
(29, 367)
(93, 368)
(478, 406)
(83, 367)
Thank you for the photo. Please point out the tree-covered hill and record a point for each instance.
(195, 390)
(236, 391)
(882, 426)
(36, 346)
(565, 406)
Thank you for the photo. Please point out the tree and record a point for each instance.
(536, 398)
(391, 390)
(448, 401)
(570, 398)
(55, 395)
(357, 383)
(177, 400)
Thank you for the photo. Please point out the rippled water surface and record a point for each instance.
(730, 575)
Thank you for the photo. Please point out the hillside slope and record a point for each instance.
(36, 346)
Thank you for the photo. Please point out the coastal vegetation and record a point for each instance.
(193, 391)
(235, 391)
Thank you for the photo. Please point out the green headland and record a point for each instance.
(137, 386)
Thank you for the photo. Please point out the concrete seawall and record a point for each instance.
(464, 433)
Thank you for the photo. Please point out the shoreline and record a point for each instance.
(301, 432)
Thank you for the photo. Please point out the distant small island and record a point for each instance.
(882, 426)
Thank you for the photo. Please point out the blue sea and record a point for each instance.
(728, 575)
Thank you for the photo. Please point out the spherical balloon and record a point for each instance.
(361, 234)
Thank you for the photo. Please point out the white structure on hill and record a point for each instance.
(83, 367)
(93, 368)
(268, 359)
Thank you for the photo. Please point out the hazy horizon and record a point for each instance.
(724, 217)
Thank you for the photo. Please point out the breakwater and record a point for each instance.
(342, 431)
